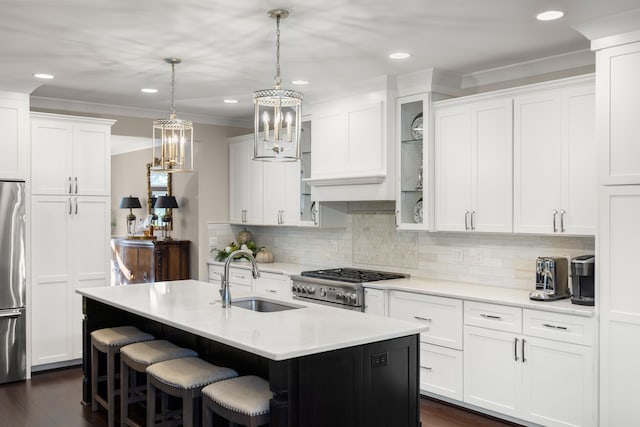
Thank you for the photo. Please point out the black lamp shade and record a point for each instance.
(154, 199)
(130, 203)
(166, 202)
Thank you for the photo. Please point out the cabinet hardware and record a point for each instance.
(271, 291)
(244, 215)
(70, 206)
(76, 206)
(555, 213)
(427, 368)
(524, 359)
(564, 328)
(473, 218)
(70, 186)
(426, 319)
(466, 220)
(145, 276)
(490, 316)
(562, 212)
(515, 349)
(75, 181)
(314, 213)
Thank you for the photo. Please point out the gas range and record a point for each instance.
(338, 287)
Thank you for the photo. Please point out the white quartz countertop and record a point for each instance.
(482, 293)
(195, 307)
(270, 267)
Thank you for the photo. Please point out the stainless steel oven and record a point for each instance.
(337, 287)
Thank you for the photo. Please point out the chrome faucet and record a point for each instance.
(225, 293)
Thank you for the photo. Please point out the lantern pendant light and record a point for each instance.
(172, 138)
(277, 114)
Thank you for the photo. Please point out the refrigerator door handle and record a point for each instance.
(10, 313)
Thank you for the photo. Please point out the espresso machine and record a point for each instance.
(583, 280)
(552, 279)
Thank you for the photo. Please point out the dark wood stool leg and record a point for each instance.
(94, 378)
(124, 392)
(151, 403)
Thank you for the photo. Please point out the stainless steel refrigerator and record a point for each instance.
(13, 328)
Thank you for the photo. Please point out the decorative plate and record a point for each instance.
(416, 127)
(417, 212)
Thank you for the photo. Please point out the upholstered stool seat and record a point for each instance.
(242, 400)
(183, 378)
(109, 341)
(137, 358)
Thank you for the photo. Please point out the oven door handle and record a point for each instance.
(329, 303)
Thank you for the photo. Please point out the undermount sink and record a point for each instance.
(263, 305)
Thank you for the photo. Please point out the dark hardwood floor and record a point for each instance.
(52, 399)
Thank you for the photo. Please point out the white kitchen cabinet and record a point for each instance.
(413, 163)
(617, 295)
(554, 161)
(70, 155)
(14, 144)
(539, 366)
(440, 346)
(273, 285)
(618, 125)
(245, 182)
(239, 278)
(70, 250)
(473, 166)
(441, 371)
(375, 301)
(281, 186)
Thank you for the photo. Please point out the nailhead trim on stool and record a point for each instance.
(242, 400)
(182, 378)
(109, 341)
(138, 357)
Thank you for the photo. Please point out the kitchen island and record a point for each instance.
(325, 366)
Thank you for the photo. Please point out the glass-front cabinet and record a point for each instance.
(308, 208)
(412, 199)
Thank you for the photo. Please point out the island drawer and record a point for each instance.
(275, 285)
(559, 327)
(493, 316)
(442, 315)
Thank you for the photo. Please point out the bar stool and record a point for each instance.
(242, 400)
(136, 358)
(109, 341)
(183, 378)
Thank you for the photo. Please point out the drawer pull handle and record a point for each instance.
(426, 319)
(491, 316)
(271, 291)
(564, 328)
(427, 368)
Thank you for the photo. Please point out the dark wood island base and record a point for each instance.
(366, 385)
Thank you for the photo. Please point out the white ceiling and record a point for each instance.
(105, 51)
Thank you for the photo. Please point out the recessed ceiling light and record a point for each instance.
(43, 76)
(230, 101)
(399, 55)
(148, 90)
(550, 15)
(299, 82)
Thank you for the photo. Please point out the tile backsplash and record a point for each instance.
(370, 240)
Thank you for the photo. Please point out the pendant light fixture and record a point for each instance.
(172, 137)
(277, 113)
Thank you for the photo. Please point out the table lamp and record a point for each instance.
(167, 203)
(130, 203)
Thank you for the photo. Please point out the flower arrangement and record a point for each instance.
(233, 246)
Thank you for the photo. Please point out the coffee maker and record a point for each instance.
(582, 279)
(552, 279)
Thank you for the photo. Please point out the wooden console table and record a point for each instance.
(147, 260)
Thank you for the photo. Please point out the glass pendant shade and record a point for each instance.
(277, 114)
(172, 149)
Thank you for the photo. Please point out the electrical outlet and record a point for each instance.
(213, 242)
(379, 360)
(457, 254)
